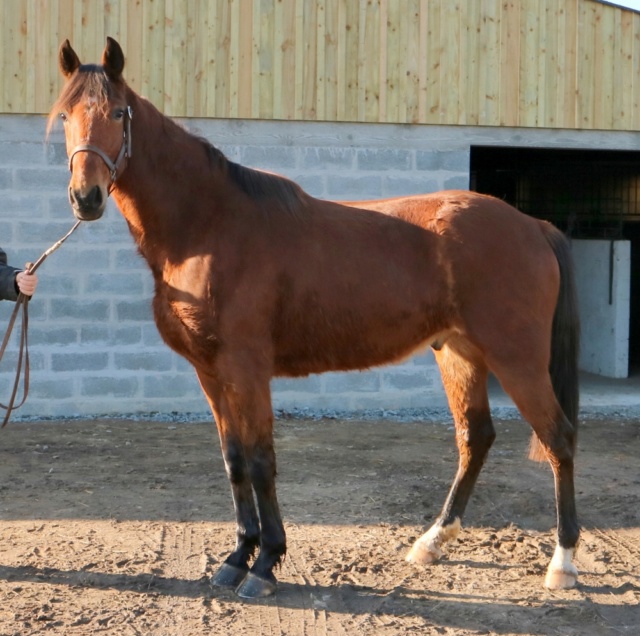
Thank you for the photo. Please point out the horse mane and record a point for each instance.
(258, 184)
(92, 80)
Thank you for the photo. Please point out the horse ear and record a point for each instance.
(67, 59)
(113, 59)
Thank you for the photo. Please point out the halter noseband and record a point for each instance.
(125, 149)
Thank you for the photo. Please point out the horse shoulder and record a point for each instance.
(184, 308)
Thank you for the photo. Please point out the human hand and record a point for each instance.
(27, 283)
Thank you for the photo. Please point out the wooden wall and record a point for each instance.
(534, 63)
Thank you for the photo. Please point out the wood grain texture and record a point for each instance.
(533, 63)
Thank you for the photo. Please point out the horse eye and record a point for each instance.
(63, 117)
(118, 114)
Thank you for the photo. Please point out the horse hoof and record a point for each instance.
(560, 580)
(561, 573)
(255, 586)
(421, 554)
(426, 549)
(229, 576)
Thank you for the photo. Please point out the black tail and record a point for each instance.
(565, 337)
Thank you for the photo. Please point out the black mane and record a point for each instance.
(258, 184)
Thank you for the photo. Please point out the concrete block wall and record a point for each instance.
(603, 281)
(94, 347)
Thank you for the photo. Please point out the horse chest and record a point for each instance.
(185, 326)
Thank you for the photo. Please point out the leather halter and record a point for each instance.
(124, 154)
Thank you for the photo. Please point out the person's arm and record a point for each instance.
(13, 280)
(8, 289)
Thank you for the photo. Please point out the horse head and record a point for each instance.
(97, 126)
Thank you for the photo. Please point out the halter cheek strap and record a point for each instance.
(124, 154)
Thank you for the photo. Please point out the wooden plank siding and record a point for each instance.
(530, 63)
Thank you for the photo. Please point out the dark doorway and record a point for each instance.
(586, 193)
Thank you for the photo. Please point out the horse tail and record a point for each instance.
(565, 338)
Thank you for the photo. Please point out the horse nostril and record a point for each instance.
(94, 198)
(86, 202)
(72, 198)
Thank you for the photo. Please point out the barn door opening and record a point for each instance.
(593, 196)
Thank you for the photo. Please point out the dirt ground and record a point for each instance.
(115, 526)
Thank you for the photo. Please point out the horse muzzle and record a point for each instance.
(88, 205)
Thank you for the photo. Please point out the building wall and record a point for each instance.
(94, 346)
(603, 280)
(530, 63)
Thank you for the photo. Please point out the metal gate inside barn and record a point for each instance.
(594, 196)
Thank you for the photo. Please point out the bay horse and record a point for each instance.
(254, 279)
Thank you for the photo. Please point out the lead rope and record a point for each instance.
(23, 355)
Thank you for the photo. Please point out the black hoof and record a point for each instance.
(254, 586)
(229, 576)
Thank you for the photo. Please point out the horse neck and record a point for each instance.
(167, 168)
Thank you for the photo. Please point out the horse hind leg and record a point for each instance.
(535, 398)
(465, 382)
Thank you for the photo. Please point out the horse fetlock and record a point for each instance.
(427, 549)
(561, 574)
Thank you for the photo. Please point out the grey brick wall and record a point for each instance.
(94, 347)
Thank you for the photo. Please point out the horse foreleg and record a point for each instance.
(242, 409)
(236, 566)
(261, 581)
(465, 383)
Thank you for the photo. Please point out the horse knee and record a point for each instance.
(262, 468)
(259, 465)
(235, 463)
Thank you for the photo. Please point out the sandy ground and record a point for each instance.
(114, 527)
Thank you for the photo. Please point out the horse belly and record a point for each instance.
(355, 335)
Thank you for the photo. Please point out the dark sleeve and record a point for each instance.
(7, 279)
